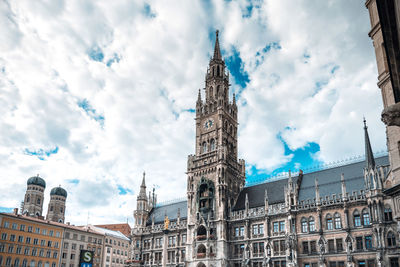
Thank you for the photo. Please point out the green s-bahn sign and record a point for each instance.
(86, 258)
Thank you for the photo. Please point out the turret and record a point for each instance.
(56, 208)
(34, 197)
(142, 206)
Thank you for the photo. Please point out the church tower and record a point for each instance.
(34, 197)
(56, 208)
(215, 175)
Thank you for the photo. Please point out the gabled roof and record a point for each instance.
(330, 183)
(256, 194)
(171, 210)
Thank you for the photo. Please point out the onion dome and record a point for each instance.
(58, 191)
(36, 180)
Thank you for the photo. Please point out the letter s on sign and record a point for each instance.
(87, 256)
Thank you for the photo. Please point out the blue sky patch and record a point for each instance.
(260, 55)
(96, 54)
(123, 191)
(5, 209)
(334, 69)
(90, 111)
(236, 67)
(148, 11)
(302, 159)
(40, 153)
(73, 181)
(112, 60)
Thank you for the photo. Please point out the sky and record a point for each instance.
(94, 93)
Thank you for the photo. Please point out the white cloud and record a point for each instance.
(45, 70)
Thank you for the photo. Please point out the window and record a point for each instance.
(304, 225)
(3, 236)
(311, 224)
(28, 240)
(42, 242)
(26, 251)
(16, 262)
(19, 248)
(365, 217)
(73, 246)
(388, 214)
(255, 230)
(34, 252)
(20, 239)
(37, 230)
(305, 248)
(8, 261)
(359, 243)
(357, 218)
(394, 262)
(15, 226)
(51, 233)
(44, 232)
(313, 247)
(281, 226)
(339, 245)
(49, 243)
(6, 224)
(391, 239)
(241, 230)
(30, 229)
(12, 238)
(329, 222)
(331, 245)
(368, 242)
(276, 227)
(204, 147)
(212, 145)
(338, 221)
(183, 239)
(10, 248)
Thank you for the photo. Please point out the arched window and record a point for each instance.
(212, 145)
(51, 208)
(204, 147)
(365, 215)
(16, 262)
(388, 213)
(24, 263)
(53, 264)
(329, 222)
(211, 92)
(218, 87)
(391, 239)
(357, 218)
(311, 224)
(304, 225)
(201, 251)
(1, 260)
(338, 221)
(8, 261)
(39, 264)
(28, 199)
(38, 201)
(218, 72)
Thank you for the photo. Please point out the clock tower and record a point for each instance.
(215, 175)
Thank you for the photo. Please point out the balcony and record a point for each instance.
(201, 255)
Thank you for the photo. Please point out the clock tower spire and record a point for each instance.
(215, 175)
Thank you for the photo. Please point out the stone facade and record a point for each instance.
(339, 216)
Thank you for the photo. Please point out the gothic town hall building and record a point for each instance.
(340, 216)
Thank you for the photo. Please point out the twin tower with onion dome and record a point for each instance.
(34, 198)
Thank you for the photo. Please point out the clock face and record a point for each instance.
(208, 124)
